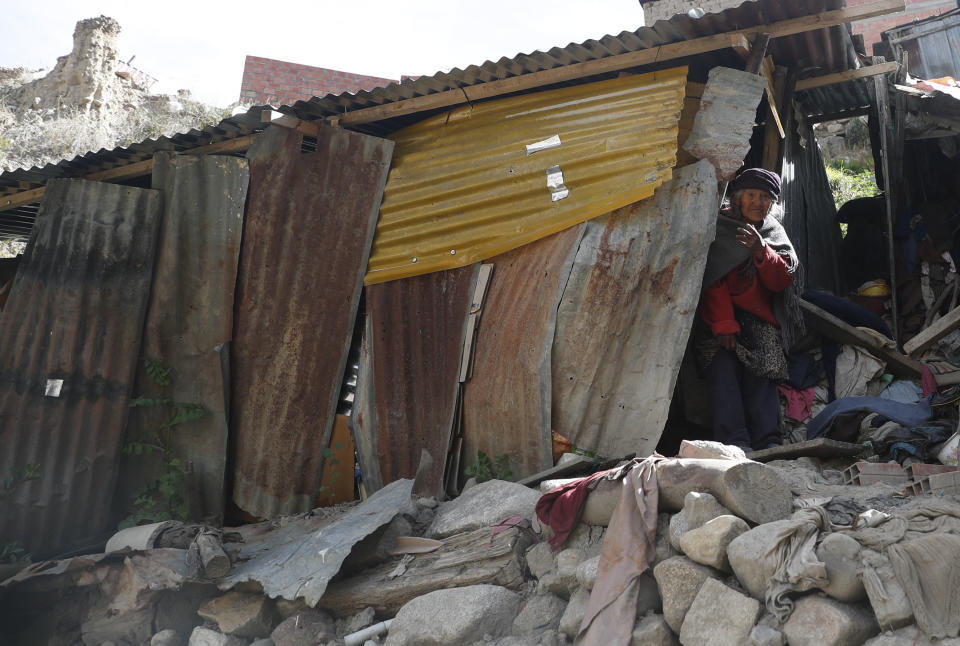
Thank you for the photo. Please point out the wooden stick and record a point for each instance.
(939, 329)
(215, 561)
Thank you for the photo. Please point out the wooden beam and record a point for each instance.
(274, 118)
(616, 63)
(833, 116)
(773, 96)
(838, 330)
(939, 329)
(848, 75)
(741, 45)
(882, 98)
(128, 171)
(772, 139)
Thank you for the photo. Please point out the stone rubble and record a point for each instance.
(710, 592)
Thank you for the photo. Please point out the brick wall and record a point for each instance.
(870, 28)
(271, 82)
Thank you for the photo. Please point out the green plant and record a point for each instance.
(164, 498)
(486, 469)
(12, 552)
(847, 184)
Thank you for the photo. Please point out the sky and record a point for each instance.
(201, 45)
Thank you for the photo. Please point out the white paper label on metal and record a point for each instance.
(555, 183)
(53, 387)
(546, 144)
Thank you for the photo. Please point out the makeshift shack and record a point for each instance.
(506, 251)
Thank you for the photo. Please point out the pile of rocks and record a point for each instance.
(480, 582)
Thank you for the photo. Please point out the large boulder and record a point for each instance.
(455, 617)
(243, 614)
(707, 544)
(679, 580)
(652, 630)
(909, 636)
(698, 509)
(719, 616)
(309, 626)
(749, 556)
(540, 612)
(841, 556)
(818, 620)
(484, 505)
(573, 615)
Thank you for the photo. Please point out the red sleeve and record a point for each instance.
(772, 269)
(716, 309)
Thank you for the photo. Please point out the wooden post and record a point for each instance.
(886, 151)
(758, 49)
(772, 150)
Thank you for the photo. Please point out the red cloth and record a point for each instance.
(798, 401)
(560, 508)
(750, 293)
(927, 380)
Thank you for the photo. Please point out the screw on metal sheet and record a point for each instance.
(414, 259)
(453, 252)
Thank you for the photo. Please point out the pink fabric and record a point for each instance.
(927, 381)
(798, 401)
(629, 545)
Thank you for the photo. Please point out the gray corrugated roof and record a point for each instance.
(815, 53)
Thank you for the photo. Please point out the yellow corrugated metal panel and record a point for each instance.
(462, 187)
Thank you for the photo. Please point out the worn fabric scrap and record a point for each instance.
(905, 414)
(628, 547)
(903, 391)
(562, 507)
(798, 568)
(856, 369)
(798, 401)
(928, 569)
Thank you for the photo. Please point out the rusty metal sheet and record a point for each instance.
(190, 318)
(507, 401)
(418, 326)
(723, 126)
(310, 221)
(626, 312)
(72, 328)
(485, 178)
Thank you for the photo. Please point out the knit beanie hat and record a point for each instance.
(757, 178)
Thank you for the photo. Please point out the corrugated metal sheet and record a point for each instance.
(75, 314)
(190, 318)
(827, 50)
(463, 186)
(507, 401)
(724, 125)
(418, 327)
(822, 51)
(310, 221)
(625, 315)
(933, 45)
(810, 216)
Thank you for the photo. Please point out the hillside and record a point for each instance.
(88, 101)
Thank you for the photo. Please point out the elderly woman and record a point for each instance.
(751, 311)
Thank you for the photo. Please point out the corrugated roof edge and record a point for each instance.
(752, 13)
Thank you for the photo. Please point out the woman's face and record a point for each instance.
(754, 204)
